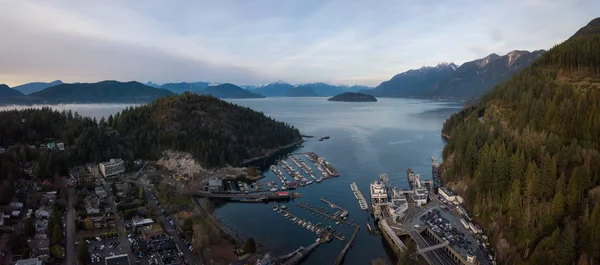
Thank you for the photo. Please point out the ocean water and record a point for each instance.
(367, 139)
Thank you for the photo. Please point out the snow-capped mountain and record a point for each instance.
(449, 81)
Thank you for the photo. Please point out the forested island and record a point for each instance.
(527, 157)
(353, 97)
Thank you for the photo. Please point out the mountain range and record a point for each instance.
(229, 91)
(451, 82)
(7, 92)
(446, 81)
(36, 86)
(101, 92)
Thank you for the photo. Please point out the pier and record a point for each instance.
(249, 197)
(358, 195)
(299, 256)
(343, 213)
(320, 211)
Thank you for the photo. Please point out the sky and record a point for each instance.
(261, 41)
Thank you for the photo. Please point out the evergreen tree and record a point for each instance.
(559, 200)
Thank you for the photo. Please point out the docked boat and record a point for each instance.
(309, 182)
(378, 193)
(319, 180)
(273, 189)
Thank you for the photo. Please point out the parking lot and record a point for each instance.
(101, 249)
(446, 223)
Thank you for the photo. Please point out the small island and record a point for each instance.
(353, 97)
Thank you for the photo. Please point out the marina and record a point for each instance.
(358, 195)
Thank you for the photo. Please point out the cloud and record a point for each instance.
(255, 42)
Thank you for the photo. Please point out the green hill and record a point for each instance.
(527, 160)
(214, 131)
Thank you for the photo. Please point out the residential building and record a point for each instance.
(60, 146)
(101, 192)
(42, 213)
(142, 222)
(113, 167)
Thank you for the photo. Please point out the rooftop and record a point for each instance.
(447, 191)
(35, 261)
(117, 260)
(112, 161)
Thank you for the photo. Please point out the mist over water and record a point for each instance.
(367, 139)
(91, 110)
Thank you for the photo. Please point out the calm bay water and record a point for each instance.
(367, 139)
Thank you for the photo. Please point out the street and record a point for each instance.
(171, 230)
(70, 247)
(123, 247)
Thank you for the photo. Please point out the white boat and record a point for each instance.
(273, 189)
(378, 193)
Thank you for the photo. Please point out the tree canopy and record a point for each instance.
(529, 152)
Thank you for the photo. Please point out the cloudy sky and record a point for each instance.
(259, 41)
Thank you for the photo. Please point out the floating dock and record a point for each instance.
(343, 212)
(358, 195)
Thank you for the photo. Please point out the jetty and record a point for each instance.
(358, 195)
(249, 197)
(334, 217)
(343, 212)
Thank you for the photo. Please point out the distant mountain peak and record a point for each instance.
(514, 55)
(279, 82)
(488, 59)
(446, 65)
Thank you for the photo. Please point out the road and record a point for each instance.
(433, 257)
(70, 247)
(171, 230)
(123, 247)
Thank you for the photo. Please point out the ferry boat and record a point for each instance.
(378, 193)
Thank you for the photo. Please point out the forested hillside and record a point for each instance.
(214, 131)
(527, 157)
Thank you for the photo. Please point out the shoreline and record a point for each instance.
(271, 152)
